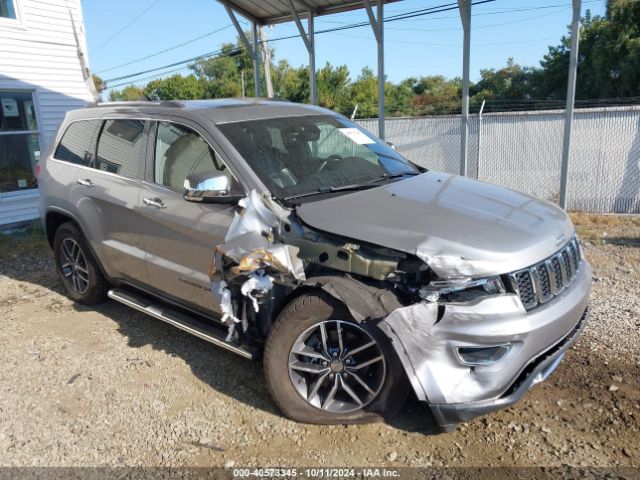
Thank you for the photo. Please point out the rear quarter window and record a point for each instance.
(76, 144)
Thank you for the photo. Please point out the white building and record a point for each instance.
(43, 73)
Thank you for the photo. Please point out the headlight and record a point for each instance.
(460, 289)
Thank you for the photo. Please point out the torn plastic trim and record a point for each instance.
(246, 266)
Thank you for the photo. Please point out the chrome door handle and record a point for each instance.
(154, 202)
(85, 182)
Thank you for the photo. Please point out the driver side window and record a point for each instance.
(180, 152)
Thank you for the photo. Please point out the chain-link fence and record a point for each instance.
(523, 151)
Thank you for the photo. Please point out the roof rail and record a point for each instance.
(137, 103)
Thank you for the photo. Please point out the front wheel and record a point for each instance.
(323, 367)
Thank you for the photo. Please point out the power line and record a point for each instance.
(151, 55)
(423, 11)
(136, 18)
(150, 77)
(189, 60)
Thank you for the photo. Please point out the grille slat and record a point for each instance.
(539, 283)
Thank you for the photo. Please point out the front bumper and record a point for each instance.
(426, 338)
(535, 372)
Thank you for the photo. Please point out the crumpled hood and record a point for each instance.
(458, 226)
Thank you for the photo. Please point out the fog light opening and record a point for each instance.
(482, 355)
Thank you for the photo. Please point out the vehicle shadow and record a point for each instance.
(223, 371)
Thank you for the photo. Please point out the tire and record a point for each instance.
(288, 387)
(77, 268)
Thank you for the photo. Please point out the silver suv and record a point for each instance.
(287, 231)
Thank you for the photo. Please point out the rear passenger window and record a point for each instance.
(121, 147)
(181, 152)
(77, 142)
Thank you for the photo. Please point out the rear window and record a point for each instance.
(77, 142)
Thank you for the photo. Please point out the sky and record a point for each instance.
(123, 31)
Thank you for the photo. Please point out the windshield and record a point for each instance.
(299, 156)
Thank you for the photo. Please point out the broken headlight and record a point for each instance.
(460, 290)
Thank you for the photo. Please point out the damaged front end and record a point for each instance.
(465, 343)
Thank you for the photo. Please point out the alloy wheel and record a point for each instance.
(337, 366)
(74, 265)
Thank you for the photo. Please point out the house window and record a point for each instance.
(7, 9)
(19, 141)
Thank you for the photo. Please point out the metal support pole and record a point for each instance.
(309, 43)
(465, 16)
(253, 50)
(256, 61)
(312, 58)
(571, 95)
(377, 24)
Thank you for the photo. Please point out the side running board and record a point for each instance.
(200, 329)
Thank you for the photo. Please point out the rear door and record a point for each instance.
(181, 235)
(72, 154)
(110, 202)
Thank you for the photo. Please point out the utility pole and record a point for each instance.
(244, 93)
(266, 59)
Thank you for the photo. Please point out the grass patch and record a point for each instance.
(608, 229)
(25, 241)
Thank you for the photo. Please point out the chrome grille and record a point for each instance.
(539, 283)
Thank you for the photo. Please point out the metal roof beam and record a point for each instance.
(229, 4)
(252, 49)
(303, 34)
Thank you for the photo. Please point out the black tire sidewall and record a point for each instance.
(97, 284)
(302, 313)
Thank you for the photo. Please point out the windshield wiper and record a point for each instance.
(352, 187)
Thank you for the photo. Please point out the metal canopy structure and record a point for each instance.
(270, 12)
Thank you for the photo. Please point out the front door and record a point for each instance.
(181, 235)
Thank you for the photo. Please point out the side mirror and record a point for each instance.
(212, 187)
(392, 145)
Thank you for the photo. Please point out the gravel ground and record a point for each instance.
(111, 386)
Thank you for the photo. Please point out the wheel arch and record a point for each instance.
(363, 301)
(54, 217)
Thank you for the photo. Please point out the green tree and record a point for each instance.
(290, 83)
(609, 56)
(512, 82)
(175, 87)
(436, 94)
(333, 88)
(98, 82)
(364, 94)
(129, 93)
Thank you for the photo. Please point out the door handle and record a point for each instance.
(85, 182)
(154, 202)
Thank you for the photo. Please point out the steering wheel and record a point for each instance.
(330, 159)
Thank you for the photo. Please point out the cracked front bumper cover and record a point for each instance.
(426, 337)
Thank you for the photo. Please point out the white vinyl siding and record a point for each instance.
(39, 54)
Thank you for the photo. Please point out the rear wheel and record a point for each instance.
(76, 266)
(323, 367)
